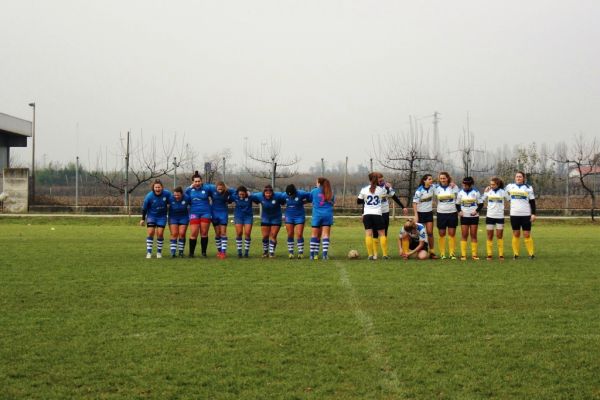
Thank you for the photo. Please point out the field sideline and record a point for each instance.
(84, 314)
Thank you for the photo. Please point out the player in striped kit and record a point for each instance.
(522, 213)
(179, 219)
(412, 241)
(385, 206)
(242, 217)
(468, 205)
(220, 217)
(154, 214)
(447, 216)
(496, 196)
(270, 218)
(370, 197)
(295, 217)
(423, 208)
(323, 199)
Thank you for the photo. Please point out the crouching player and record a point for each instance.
(412, 241)
(179, 219)
(154, 214)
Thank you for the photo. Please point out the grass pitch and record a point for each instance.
(84, 314)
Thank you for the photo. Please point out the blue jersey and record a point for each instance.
(220, 201)
(156, 206)
(271, 209)
(179, 209)
(200, 198)
(321, 208)
(294, 205)
(243, 207)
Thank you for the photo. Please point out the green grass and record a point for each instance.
(83, 314)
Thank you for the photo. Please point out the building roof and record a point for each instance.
(585, 170)
(10, 125)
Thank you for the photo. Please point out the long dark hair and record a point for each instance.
(327, 192)
(424, 178)
(374, 180)
(499, 182)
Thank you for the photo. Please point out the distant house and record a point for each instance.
(13, 133)
(574, 172)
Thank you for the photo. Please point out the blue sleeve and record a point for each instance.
(256, 197)
(280, 197)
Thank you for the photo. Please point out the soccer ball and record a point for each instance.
(353, 254)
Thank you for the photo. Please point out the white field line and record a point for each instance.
(377, 351)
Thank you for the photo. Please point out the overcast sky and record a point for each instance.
(324, 76)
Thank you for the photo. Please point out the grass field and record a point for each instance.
(84, 314)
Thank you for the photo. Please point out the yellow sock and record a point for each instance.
(442, 241)
(473, 249)
(489, 247)
(375, 246)
(405, 245)
(463, 248)
(529, 245)
(500, 247)
(384, 246)
(369, 243)
(515, 245)
(451, 245)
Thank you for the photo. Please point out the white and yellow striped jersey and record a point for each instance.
(385, 204)
(372, 200)
(446, 199)
(495, 202)
(519, 199)
(468, 201)
(423, 198)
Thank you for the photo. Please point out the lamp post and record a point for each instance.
(33, 155)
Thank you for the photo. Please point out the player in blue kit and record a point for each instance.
(295, 217)
(322, 217)
(270, 218)
(243, 217)
(154, 214)
(200, 212)
(220, 216)
(179, 218)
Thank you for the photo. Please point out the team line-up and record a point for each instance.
(201, 205)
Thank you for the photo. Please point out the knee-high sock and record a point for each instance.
(223, 244)
(489, 247)
(529, 245)
(247, 242)
(265, 243)
(272, 246)
(300, 244)
(238, 244)
(173, 246)
(442, 245)
(500, 247)
(463, 248)
(384, 245)
(515, 245)
(405, 243)
(452, 245)
(290, 244)
(369, 244)
(314, 246)
(181, 245)
(218, 243)
(376, 245)
(159, 244)
(204, 244)
(193, 246)
(149, 244)
(473, 249)
(325, 247)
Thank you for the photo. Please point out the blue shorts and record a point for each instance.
(243, 219)
(295, 220)
(321, 220)
(275, 221)
(179, 220)
(220, 218)
(152, 222)
(203, 215)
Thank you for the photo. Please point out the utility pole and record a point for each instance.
(77, 183)
(175, 165)
(33, 155)
(436, 133)
(371, 163)
(273, 172)
(322, 166)
(127, 172)
(344, 190)
(224, 180)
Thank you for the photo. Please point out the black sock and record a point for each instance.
(192, 246)
(204, 244)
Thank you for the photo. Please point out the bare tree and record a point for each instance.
(268, 161)
(409, 153)
(143, 162)
(583, 155)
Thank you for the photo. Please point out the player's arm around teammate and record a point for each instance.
(270, 219)
(154, 214)
(323, 200)
(295, 218)
(522, 213)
